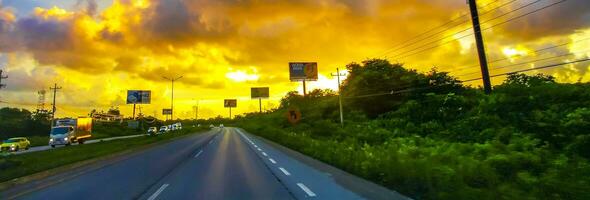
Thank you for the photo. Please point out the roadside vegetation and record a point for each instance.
(15, 166)
(15, 122)
(439, 139)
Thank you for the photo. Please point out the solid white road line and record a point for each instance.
(162, 188)
(201, 151)
(306, 190)
(272, 161)
(264, 154)
(285, 171)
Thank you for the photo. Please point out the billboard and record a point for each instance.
(303, 71)
(259, 92)
(166, 111)
(139, 97)
(230, 103)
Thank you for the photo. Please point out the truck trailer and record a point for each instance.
(69, 131)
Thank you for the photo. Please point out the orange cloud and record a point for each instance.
(216, 44)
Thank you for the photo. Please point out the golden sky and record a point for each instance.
(97, 50)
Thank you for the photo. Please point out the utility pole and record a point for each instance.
(196, 109)
(172, 101)
(54, 88)
(487, 85)
(2, 77)
(339, 96)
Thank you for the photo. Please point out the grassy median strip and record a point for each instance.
(15, 166)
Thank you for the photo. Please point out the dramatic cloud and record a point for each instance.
(223, 47)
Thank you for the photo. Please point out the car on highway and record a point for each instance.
(178, 126)
(15, 144)
(152, 131)
(211, 126)
(221, 126)
(164, 129)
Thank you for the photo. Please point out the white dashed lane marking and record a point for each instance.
(285, 171)
(301, 185)
(306, 190)
(197, 155)
(160, 190)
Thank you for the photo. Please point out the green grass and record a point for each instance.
(15, 166)
(39, 140)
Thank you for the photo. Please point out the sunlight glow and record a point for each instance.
(241, 76)
(514, 52)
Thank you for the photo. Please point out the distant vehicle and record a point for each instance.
(221, 126)
(211, 126)
(178, 126)
(152, 131)
(172, 127)
(69, 131)
(15, 144)
(164, 129)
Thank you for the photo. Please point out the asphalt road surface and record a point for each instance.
(45, 148)
(220, 164)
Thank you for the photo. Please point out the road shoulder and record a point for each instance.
(361, 187)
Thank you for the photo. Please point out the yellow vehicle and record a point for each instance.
(15, 144)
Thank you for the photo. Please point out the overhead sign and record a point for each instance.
(166, 111)
(230, 103)
(139, 97)
(303, 71)
(259, 92)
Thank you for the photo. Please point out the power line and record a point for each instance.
(504, 22)
(392, 92)
(529, 62)
(506, 58)
(404, 44)
(451, 35)
(532, 69)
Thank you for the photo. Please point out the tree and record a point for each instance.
(378, 76)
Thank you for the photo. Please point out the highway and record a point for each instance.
(225, 163)
(45, 148)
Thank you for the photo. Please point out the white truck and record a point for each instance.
(69, 131)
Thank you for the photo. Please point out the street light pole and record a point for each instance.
(196, 109)
(172, 101)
